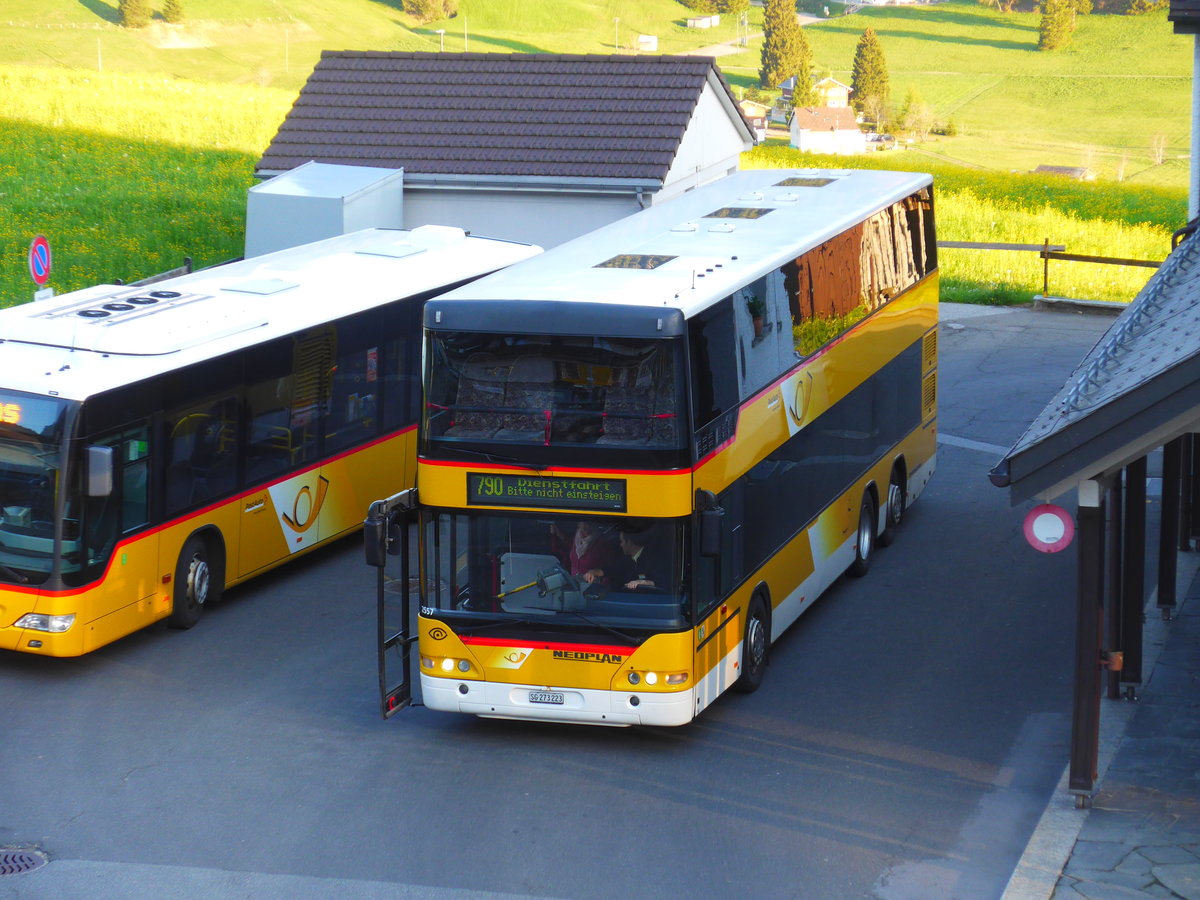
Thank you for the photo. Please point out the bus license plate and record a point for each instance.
(555, 697)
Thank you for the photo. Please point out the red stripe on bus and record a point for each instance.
(543, 645)
(454, 464)
(171, 523)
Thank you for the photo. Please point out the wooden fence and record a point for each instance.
(1047, 252)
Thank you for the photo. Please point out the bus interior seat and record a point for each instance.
(480, 393)
(630, 405)
(527, 400)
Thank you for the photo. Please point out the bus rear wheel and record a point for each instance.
(756, 646)
(894, 510)
(197, 582)
(864, 543)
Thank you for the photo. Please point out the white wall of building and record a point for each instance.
(711, 148)
(533, 217)
(836, 142)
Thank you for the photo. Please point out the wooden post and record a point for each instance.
(1046, 268)
(1114, 581)
(1133, 591)
(1085, 713)
(1168, 542)
(1194, 498)
(1186, 452)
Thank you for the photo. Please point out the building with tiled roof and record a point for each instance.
(536, 147)
(826, 129)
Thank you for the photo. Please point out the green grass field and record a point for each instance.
(1102, 103)
(131, 150)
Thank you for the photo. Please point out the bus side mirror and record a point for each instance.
(710, 515)
(99, 471)
(375, 535)
(710, 531)
(383, 535)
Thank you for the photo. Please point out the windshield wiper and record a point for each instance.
(498, 458)
(622, 635)
(14, 575)
(471, 629)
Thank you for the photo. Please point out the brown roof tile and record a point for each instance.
(494, 113)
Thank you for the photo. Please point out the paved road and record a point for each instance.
(908, 734)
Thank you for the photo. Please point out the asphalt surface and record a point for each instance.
(908, 738)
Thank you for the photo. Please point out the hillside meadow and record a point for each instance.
(1107, 102)
(269, 43)
(127, 172)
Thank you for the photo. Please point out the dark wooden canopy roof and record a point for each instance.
(1186, 16)
(1138, 389)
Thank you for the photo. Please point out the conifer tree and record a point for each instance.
(785, 51)
(1058, 21)
(135, 13)
(431, 10)
(173, 11)
(869, 77)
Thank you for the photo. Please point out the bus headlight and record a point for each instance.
(41, 622)
(652, 678)
(445, 663)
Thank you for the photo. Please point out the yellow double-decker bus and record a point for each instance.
(646, 452)
(160, 443)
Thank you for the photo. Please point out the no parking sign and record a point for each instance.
(1049, 528)
(39, 260)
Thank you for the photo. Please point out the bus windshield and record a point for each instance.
(611, 573)
(562, 391)
(31, 443)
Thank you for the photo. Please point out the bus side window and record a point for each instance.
(397, 384)
(286, 388)
(715, 576)
(134, 465)
(200, 457)
(354, 384)
(713, 363)
(127, 507)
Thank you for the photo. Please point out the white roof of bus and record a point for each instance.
(712, 256)
(73, 345)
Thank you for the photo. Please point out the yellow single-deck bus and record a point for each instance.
(161, 443)
(647, 451)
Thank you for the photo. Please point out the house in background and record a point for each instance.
(832, 93)
(756, 115)
(1077, 173)
(530, 147)
(821, 129)
(828, 92)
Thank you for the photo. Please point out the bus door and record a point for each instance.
(386, 534)
(120, 510)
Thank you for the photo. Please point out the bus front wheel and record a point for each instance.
(197, 582)
(756, 644)
(864, 543)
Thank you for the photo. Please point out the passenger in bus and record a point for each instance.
(636, 569)
(642, 569)
(587, 553)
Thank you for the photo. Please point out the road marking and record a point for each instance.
(968, 444)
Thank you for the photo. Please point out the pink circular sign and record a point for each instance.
(1049, 528)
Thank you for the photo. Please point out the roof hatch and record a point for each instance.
(634, 261)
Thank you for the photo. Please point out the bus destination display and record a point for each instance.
(539, 491)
